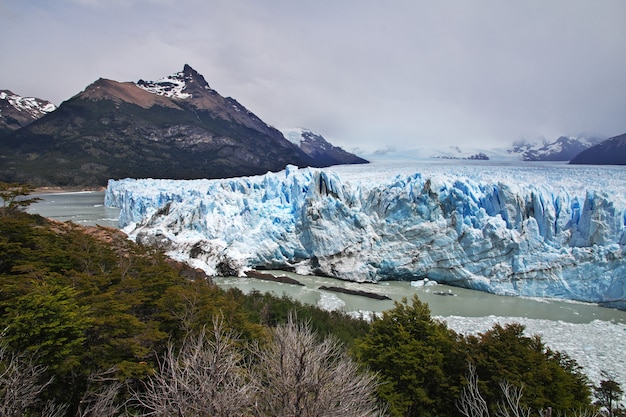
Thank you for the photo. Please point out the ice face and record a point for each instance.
(552, 232)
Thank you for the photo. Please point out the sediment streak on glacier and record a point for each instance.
(551, 232)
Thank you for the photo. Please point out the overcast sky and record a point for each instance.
(363, 73)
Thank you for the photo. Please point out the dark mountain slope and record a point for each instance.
(314, 145)
(610, 152)
(176, 128)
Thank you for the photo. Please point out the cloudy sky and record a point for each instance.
(364, 73)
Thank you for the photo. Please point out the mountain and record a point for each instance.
(177, 127)
(540, 231)
(563, 149)
(314, 145)
(17, 111)
(610, 152)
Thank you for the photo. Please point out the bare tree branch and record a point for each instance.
(511, 405)
(20, 383)
(103, 401)
(471, 403)
(302, 376)
(208, 376)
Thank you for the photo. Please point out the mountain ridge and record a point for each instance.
(316, 146)
(609, 152)
(563, 148)
(176, 127)
(18, 111)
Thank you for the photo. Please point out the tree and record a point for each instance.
(419, 360)
(207, 377)
(550, 379)
(301, 376)
(294, 374)
(14, 195)
(609, 395)
(473, 404)
(47, 321)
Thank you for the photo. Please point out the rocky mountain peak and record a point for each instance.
(17, 111)
(181, 85)
(562, 149)
(35, 107)
(193, 76)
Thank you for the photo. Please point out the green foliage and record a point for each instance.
(89, 300)
(609, 395)
(418, 358)
(14, 195)
(271, 310)
(49, 322)
(86, 300)
(422, 363)
(549, 378)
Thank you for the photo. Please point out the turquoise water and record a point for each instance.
(466, 303)
(85, 208)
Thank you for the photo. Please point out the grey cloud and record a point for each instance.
(363, 73)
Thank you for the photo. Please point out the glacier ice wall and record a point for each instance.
(509, 237)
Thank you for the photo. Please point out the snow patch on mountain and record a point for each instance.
(174, 86)
(294, 134)
(538, 231)
(33, 106)
(170, 86)
(564, 148)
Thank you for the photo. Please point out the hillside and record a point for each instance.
(177, 127)
(610, 152)
(317, 147)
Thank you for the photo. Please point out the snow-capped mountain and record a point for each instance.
(171, 86)
(317, 147)
(610, 152)
(531, 231)
(176, 127)
(563, 149)
(17, 111)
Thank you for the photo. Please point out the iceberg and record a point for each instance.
(545, 231)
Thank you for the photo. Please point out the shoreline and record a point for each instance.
(66, 190)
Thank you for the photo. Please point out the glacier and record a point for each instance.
(540, 231)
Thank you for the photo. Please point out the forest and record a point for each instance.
(93, 323)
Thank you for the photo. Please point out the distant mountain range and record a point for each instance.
(563, 149)
(176, 127)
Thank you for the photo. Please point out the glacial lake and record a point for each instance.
(87, 208)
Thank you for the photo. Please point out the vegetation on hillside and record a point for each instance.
(95, 324)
